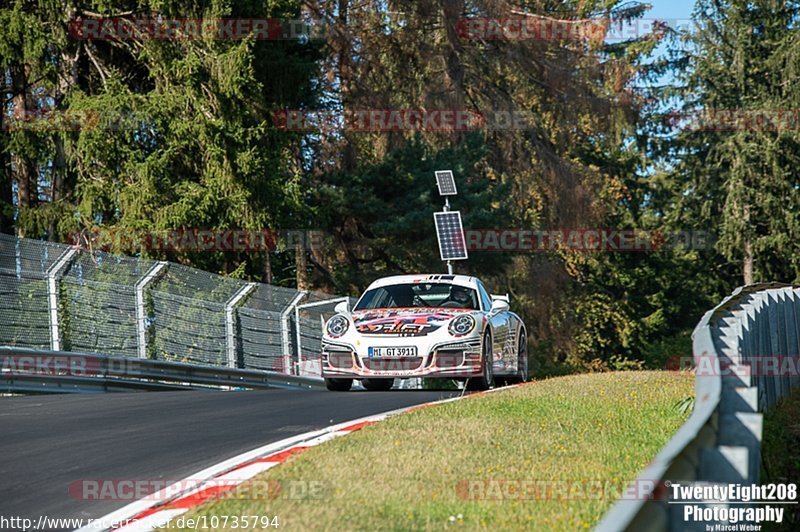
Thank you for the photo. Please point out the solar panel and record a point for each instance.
(446, 182)
(450, 233)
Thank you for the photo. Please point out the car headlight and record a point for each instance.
(337, 326)
(462, 325)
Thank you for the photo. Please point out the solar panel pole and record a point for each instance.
(447, 209)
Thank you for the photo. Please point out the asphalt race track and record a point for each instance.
(49, 442)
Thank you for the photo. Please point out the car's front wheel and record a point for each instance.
(339, 385)
(486, 380)
(378, 385)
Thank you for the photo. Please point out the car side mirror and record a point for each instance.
(500, 305)
(342, 307)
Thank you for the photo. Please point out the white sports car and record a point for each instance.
(410, 326)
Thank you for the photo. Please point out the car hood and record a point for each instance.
(404, 321)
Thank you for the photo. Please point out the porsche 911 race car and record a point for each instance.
(410, 326)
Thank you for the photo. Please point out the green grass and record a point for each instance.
(410, 471)
(780, 459)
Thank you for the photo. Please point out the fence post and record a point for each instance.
(141, 326)
(53, 275)
(285, 337)
(298, 334)
(230, 321)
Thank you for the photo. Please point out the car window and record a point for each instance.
(485, 297)
(419, 295)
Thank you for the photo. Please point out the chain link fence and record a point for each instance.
(58, 297)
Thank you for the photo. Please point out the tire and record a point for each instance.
(377, 385)
(339, 385)
(522, 365)
(486, 380)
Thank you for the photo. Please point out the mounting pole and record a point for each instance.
(447, 209)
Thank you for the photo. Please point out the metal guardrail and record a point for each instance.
(25, 370)
(752, 329)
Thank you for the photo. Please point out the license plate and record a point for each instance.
(392, 352)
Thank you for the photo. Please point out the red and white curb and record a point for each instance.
(157, 509)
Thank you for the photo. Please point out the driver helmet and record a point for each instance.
(459, 293)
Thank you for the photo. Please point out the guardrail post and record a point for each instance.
(141, 325)
(53, 275)
(285, 337)
(230, 321)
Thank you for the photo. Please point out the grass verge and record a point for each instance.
(452, 466)
(780, 458)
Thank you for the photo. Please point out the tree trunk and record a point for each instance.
(452, 11)
(301, 263)
(344, 57)
(747, 262)
(6, 191)
(23, 169)
(267, 277)
(64, 176)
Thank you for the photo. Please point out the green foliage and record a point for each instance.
(666, 350)
(179, 132)
(381, 215)
(779, 460)
(737, 177)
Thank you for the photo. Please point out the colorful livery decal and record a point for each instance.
(403, 322)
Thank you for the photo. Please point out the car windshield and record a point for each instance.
(419, 295)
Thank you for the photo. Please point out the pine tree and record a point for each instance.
(734, 164)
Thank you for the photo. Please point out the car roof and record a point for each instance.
(461, 280)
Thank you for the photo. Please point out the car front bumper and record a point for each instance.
(450, 360)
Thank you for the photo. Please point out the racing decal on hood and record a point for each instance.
(403, 321)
